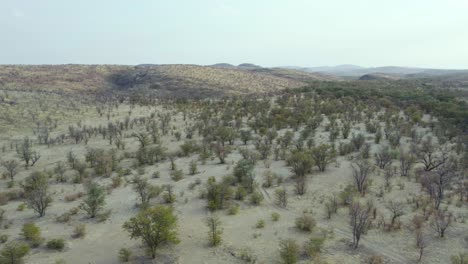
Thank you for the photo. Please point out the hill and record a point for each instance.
(163, 80)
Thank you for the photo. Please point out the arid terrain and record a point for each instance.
(254, 165)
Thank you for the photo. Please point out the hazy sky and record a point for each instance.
(426, 33)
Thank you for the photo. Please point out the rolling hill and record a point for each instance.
(163, 80)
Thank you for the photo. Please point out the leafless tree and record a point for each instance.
(437, 181)
(396, 208)
(421, 243)
(27, 154)
(142, 138)
(359, 220)
(440, 221)
(11, 166)
(406, 163)
(145, 190)
(331, 206)
(383, 157)
(429, 155)
(389, 172)
(221, 152)
(361, 170)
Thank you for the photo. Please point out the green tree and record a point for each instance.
(13, 252)
(301, 163)
(95, 199)
(36, 192)
(322, 155)
(155, 226)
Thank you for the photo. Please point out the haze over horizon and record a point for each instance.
(426, 34)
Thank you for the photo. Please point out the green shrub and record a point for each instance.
(125, 254)
(461, 258)
(275, 216)
(177, 175)
(314, 245)
(256, 198)
(32, 233)
(289, 251)
(305, 222)
(233, 210)
(56, 244)
(3, 238)
(260, 223)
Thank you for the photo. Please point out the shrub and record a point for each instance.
(125, 254)
(193, 168)
(289, 251)
(79, 231)
(74, 196)
(32, 233)
(461, 258)
(233, 210)
(177, 175)
(102, 217)
(305, 222)
(4, 238)
(275, 216)
(260, 223)
(214, 230)
(313, 246)
(21, 207)
(247, 256)
(56, 244)
(256, 198)
(375, 259)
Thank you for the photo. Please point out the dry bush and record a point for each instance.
(74, 196)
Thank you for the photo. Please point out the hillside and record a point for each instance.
(162, 80)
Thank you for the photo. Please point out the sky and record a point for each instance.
(418, 33)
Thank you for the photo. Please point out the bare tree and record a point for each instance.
(142, 138)
(429, 156)
(396, 208)
(359, 219)
(26, 153)
(361, 170)
(421, 243)
(406, 163)
(440, 221)
(11, 166)
(331, 206)
(145, 190)
(437, 181)
(389, 172)
(221, 152)
(383, 157)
